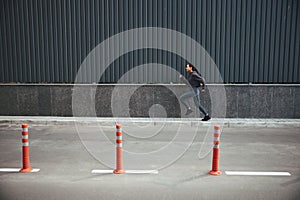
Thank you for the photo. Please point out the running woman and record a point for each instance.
(195, 80)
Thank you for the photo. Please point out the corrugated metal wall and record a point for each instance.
(249, 40)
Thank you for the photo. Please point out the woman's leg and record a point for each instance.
(184, 98)
(198, 103)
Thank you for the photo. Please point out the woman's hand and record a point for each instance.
(202, 90)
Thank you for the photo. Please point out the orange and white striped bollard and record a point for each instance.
(215, 162)
(119, 160)
(25, 149)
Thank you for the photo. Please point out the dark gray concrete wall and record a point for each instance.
(242, 101)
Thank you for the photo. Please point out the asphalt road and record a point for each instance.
(66, 155)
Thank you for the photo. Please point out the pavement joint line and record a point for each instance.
(96, 171)
(13, 170)
(141, 171)
(256, 173)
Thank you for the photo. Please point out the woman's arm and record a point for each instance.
(183, 79)
(201, 80)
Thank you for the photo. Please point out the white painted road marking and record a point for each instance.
(16, 170)
(95, 171)
(247, 173)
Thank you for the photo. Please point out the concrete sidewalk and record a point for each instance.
(107, 121)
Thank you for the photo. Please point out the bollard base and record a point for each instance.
(26, 170)
(119, 171)
(215, 173)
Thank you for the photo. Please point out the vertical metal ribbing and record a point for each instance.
(215, 162)
(119, 159)
(250, 41)
(25, 149)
